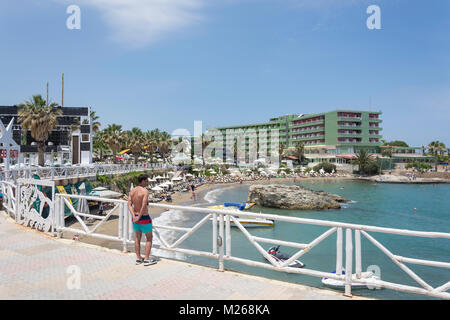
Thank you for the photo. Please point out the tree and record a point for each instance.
(300, 151)
(281, 147)
(436, 148)
(99, 145)
(151, 142)
(164, 144)
(365, 163)
(205, 143)
(113, 137)
(397, 143)
(134, 139)
(95, 124)
(40, 119)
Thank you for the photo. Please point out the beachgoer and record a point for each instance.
(142, 222)
(193, 191)
(100, 208)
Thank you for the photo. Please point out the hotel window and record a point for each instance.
(84, 138)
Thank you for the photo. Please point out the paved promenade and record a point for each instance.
(35, 266)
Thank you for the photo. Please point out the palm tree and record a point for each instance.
(135, 140)
(40, 119)
(99, 145)
(151, 139)
(95, 124)
(164, 144)
(300, 151)
(113, 138)
(436, 148)
(362, 158)
(205, 143)
(281, 148)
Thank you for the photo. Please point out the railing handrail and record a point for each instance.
(221, 220)
(325, 223)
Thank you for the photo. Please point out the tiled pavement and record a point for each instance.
(35, 266)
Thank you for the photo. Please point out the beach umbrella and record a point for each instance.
(177, 179)
(124, 151)
(159, 177)
(188, 175)
(302, 169)
(157, 188)
(321, 171)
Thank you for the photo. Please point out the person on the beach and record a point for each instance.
(142, 222)
(193, 191)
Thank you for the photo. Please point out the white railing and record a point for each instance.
(221, 242)
(71, 172)
(9, 192)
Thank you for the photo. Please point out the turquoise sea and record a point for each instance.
(383, 205)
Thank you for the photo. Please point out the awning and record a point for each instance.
(346, 156)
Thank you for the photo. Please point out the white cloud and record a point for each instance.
(138, 23)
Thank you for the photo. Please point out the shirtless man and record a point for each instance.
(142, 222)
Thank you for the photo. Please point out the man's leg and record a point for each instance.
(148, 244)
(137, 243)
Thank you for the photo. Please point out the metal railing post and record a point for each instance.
(358, 266)
(220, 243)
(214, 233)
(125, 228)
(228, 235)
(348, 262)
(339, 251)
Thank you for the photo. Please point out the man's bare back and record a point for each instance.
(139, 198)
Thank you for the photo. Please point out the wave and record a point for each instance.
(212, 195)
(166, 218)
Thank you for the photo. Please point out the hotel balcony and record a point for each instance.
(294, 132)
(351, 134)
(291, 125)
(349, 119)
(348, 126)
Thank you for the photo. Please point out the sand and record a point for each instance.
(110, 227)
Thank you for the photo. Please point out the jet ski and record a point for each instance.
(340, 284)
(280, 257)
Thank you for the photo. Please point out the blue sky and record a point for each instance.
(154, 63)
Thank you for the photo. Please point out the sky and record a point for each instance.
(167, 63)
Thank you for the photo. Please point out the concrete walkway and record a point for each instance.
(37, 266)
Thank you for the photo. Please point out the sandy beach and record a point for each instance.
(110, 227)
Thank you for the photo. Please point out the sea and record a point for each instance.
(417, 207)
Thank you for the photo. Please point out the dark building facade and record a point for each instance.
(69, 145)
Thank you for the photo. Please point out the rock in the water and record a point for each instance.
(293, 197)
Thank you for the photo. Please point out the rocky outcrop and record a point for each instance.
(293, 197)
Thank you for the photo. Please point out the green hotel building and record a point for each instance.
(330, 136)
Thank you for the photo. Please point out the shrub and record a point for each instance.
(370, 168)
(419, 166)
(326, 166)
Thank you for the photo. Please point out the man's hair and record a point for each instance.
(142, 177)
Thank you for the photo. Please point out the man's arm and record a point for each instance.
(130, 207)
